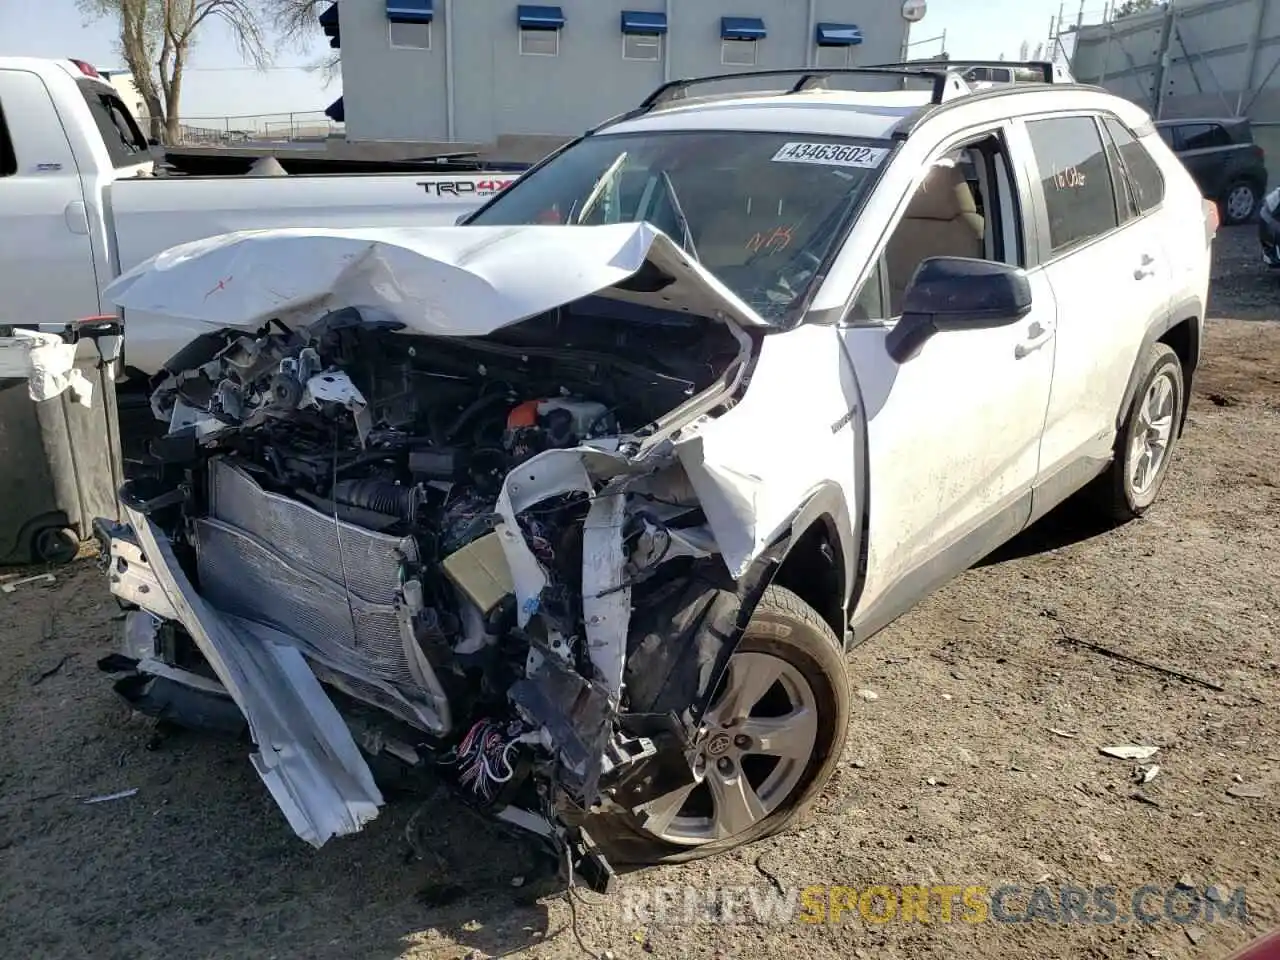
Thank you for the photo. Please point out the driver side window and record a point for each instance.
(966, 206)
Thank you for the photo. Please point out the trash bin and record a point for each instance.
(60, 464)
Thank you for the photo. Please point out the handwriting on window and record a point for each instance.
(772, 241)
(1072, 178)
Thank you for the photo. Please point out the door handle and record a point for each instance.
(1145, 268)
(1037, 336)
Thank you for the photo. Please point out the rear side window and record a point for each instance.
(1145, 181)
(1073, 170)
(126, 145)
(8, 159)
(1202, 136)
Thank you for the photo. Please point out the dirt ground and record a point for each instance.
(977, 763)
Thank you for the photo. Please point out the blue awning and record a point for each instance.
(336, 111)
(742, 28)
(539, 18)
(642, 21)
(838, 35)
(411, 11)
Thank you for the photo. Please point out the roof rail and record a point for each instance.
(946, 85)
(1048, 71)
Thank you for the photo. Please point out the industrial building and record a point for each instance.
(476, 71)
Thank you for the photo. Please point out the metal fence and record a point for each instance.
(277, 127)
(1202, 58)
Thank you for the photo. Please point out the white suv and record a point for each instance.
(582, 502)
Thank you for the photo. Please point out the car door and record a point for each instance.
(952, 433)
(1205, 150)
(46, 256)
(1106, 264)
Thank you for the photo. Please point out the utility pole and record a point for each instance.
(1163, 60)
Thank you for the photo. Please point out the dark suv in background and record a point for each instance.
(1226, 163)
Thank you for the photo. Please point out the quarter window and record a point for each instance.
(8, 162)
(1145, 179)
(1073, 172)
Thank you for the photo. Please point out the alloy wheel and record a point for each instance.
(758, 737)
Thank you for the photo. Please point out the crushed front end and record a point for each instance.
(477, 553)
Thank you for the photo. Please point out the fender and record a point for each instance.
(1188, 308)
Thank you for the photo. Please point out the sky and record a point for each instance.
(218, 84)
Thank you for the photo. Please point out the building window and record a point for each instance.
(738, 53)
(834, 57)
(539, 43)
(641, 46)
(410, 36)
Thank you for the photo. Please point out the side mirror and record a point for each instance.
(957, 293)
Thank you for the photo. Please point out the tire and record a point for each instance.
(788, 633)
(1123, 495)
(57, 545)
(1239, 202)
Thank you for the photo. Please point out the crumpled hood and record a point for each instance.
(444, 281)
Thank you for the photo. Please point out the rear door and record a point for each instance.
(1104, 258)
(1207, 151)
(46, 255)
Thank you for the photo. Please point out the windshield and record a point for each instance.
(759, 210)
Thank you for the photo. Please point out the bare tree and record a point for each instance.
(298, 21)
(1129, 7)
(156, 38)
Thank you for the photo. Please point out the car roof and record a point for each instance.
(830, 112)
(859, 114)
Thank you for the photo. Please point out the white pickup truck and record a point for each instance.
(80, 201)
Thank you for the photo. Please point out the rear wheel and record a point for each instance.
(772, 737)
(1240, 202)
(1144, 446)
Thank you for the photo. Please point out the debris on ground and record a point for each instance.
(1194, 934)
(107, 797)
(44, 675)
(1247, 791)
(1150, 773)
(1129, 751)
(1063, 733)
(868, 695)
(13, 585)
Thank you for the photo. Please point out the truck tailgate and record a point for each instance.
(150, 215)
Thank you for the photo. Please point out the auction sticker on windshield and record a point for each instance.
(830, 154)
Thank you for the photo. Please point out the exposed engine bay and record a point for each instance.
(484, 549)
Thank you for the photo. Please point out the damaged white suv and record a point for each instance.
(578, 504)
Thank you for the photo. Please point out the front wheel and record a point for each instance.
(1144, 445)
(773, 735)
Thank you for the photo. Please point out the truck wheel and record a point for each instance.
(1144, 446)
(1239, 203)
(58, 545)
(776, 728)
